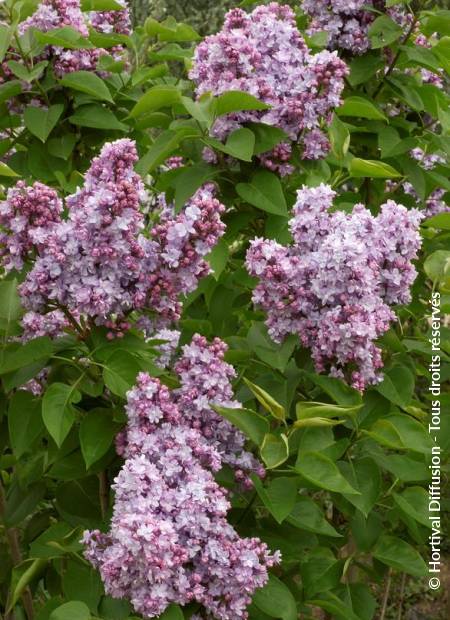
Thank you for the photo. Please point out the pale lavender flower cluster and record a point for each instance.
(345, 21)
(25, 215)
(169, 540)
(52, 14)
(335, 284)
(263, 53)
(97, 263)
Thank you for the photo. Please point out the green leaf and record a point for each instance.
(189, 180)
(10, 309)
(266, 137)
(97, 117)
(441, 220)
(339, 391)
(120, 372)
(307, 516)
(5, 39)
(253, 425)
(414, 502)
(266, 400)
(397, 386)
(82, 583)
(371, 168)
(322, 472)
(306, 410)
(236, 101)
(21, 577)
(320, 572)
(89, 83)
(21, 502)
(24, 421)
(164, 145)
(26, 74)
(264, 192)
(339, 137)
(58, 412)
(218, 257)
(276, 600)
(360, 107)
(399, 555)
(41, 121)
(97, 432)
(364, 475)
(74, 610)
(10, 89)
(156, 98)
(66, 37)
(383, 32)
(62, 146)
(335, 606)
(170, 30)
(240, 144)
(32, 351)
(437, 266)
(278, 496)
(101, 5)
(6, 171)
(274, 450)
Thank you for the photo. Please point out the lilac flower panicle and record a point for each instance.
(92, 262)
(176, 251)
(100, 263)
(169, 540)
(335, 284)
(25, 216)
(262, 53)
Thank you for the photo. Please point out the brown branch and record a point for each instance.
(386, 595)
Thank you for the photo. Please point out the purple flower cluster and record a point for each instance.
(98, 263)
(169, 540)
(263, 53)
(205, 381)
(335, 284)
(345, 21)
(52, 14)
(26, 215)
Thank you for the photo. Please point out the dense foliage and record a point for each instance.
(223, 296)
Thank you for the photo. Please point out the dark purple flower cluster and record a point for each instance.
(169, 540)
(26, 215)
(335, 284)
(263, 53)
(97, 263)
